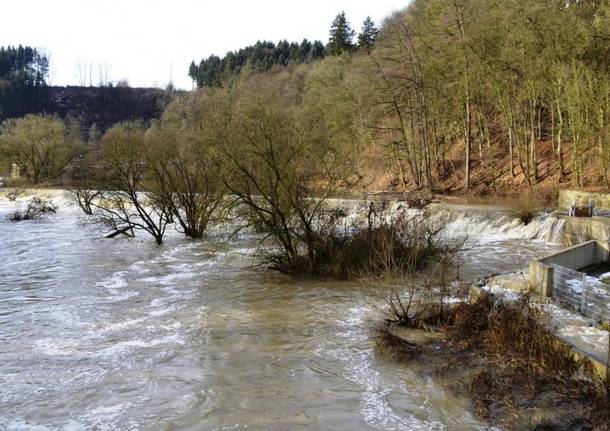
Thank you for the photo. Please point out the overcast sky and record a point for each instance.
(149, 41)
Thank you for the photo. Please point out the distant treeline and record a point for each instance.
(23, 76)
(262, 56)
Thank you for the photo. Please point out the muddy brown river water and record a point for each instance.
(124, 335)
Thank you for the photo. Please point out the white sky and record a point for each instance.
(143, 40)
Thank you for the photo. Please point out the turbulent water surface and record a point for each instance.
(121, 334)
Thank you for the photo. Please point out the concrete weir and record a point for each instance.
(574, 258)
(582, 336)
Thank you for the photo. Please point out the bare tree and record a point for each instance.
(125, 203)
(185, 179)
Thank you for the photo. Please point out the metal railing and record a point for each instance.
(588, 295)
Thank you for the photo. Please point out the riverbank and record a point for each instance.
(502, 354)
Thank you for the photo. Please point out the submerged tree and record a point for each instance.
(126, 203)
(280, 165)
(185, 177)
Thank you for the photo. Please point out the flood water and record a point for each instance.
(124, 335)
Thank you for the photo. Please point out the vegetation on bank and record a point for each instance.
(501, 354)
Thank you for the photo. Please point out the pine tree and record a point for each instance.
(193, 71)
(341, 36)
(368, 35)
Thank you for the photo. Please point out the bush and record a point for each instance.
(12, 194)
(503, 354)
(526, 208)
(37, 208)
(390, 243)
(513, 328)
(405, 245)
(83, 198)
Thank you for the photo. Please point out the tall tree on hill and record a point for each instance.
(368, 34)
(193, 72)
(341, 36)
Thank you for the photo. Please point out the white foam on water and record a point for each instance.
(169, 279)
(120, 326)
(115, 281)
(56, 347)
(22, 425)
(123, 295)
(124, 347)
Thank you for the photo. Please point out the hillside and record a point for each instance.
(105, 106)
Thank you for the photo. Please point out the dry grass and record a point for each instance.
(512, 329)
(516, 373)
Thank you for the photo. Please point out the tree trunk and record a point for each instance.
(467, 142)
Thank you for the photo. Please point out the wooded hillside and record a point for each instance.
(471, 94)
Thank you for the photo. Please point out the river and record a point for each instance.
(124, 335)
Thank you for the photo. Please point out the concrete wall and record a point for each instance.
(568, 197)
(579, 230)
(576, 258)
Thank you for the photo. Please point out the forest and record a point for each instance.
(468, 94)
(461, 96)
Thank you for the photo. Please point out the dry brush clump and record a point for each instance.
(388, 244)
(502, 354)
(12, 194)
(37, 208)
(516, 329)
(527, 207)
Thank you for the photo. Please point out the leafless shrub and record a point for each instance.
(185, 180)
(36, 209)
(513, 328)
(502, 354)
(83, 198)
(125, 203)
(125, 211)
(12, 194)
(526, 208)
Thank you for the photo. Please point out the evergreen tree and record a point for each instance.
(318, 50)
(368, 35)
(341, 36)
(260, 57)
(193, 71)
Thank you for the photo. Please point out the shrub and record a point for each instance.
(37, 208)
(515, 329)
(83, 198)
(405, 245)
(12, 194)
(389, 244)
(526, 208)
